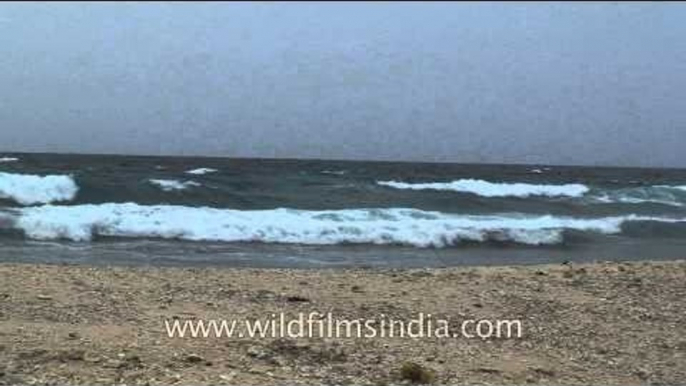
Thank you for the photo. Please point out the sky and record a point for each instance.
(552, 83)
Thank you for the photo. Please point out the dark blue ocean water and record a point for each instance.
(310, 213)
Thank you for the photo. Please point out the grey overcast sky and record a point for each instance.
(560, 83)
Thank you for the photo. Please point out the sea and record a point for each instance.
(198, 211)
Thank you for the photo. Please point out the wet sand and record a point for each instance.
(603, 323)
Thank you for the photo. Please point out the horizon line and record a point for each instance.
(336, 160)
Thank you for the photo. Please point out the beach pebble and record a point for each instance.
(114, 363)
(194, 358)
(256, 352)
(227, 377)
(297, 299)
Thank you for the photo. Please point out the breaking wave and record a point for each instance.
(681, 188)
(171, 185)
(370, 226)
(659, 194)
(494, 189)
(27, 189)
(201, 171)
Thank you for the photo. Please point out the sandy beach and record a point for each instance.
(604, 323)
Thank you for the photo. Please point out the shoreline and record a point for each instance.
(183, 255)
(613, 323)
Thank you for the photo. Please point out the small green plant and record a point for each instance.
(416, 374)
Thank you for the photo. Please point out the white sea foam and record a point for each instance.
(682, 187)
(618, 199)
(376, 226)
(27, 189)
(171, 185)
(8, 159)
(660, 194)
(334, 172)
(201, 171)
(495, 189)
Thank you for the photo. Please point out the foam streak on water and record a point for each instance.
(171, 185)
(494, 189)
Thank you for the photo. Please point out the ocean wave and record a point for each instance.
(607, 199)
(495, 189)
(27, 189)
(660, 194)
(171, 185)
(334, 172)
(8, 159)
(680, 188)
(201, 171)
(367, 226)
